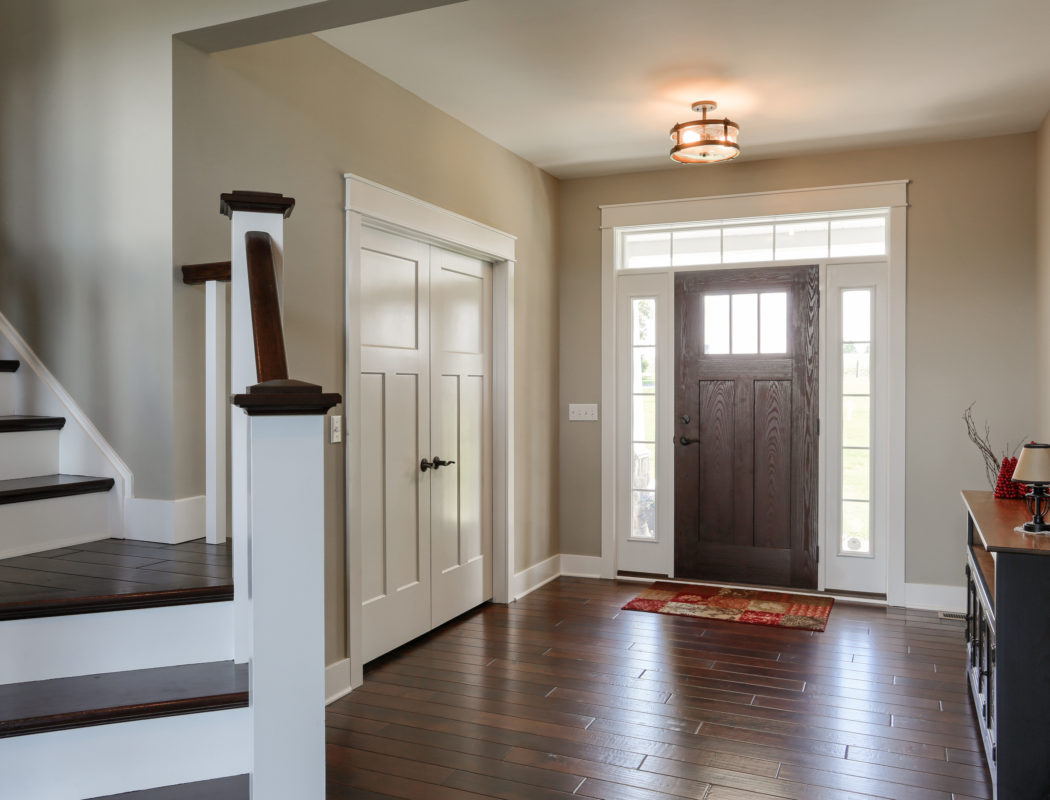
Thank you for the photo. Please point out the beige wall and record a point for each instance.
(971, 269)
(86, 272)
(292, 116)
(1042, 226)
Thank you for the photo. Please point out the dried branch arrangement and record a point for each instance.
(983, 442)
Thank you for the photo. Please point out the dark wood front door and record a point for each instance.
(746, 409)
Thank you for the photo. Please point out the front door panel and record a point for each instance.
(746, 425)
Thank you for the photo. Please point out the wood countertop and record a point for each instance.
(995, 521)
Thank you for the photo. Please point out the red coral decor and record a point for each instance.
(1005, 487)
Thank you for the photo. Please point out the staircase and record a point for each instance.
(117, 657)
(112, 683)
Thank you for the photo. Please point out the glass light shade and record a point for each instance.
(705, 141)
(1033, 465)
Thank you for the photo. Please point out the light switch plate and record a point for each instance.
(337, 428)
(587, 412)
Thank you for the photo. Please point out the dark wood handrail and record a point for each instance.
(196, 274)
(271, 363)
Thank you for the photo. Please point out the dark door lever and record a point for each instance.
(684, 441)
(424, 465)
(438, 463)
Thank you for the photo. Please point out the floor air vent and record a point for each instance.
(951, 615)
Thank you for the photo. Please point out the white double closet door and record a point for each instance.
(426, 535)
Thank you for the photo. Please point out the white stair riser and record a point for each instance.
(125, 757)
(114, 641)
(24, 454)
(57, 522)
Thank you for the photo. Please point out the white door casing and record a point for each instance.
(618, 285)
(374, 205)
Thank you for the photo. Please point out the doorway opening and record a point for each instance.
(732, 488)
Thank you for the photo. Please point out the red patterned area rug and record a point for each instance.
(776, 609)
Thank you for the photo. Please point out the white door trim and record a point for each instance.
(387, 209)
(887, 194)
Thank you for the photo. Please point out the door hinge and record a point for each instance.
(818, 427)
(818, 553)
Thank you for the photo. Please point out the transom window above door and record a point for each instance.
(746, 323)
(845, 234)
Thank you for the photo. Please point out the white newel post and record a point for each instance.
(248, 211)
(286, 585)
(278, 515)
(217, 400)
(286, 530)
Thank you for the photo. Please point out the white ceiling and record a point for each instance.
(586, 87)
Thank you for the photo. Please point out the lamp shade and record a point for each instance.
(1033, 465)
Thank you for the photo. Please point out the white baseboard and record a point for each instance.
(165, 521)
(531, 579)
(337, 681)
(935, 597)
(581, 566)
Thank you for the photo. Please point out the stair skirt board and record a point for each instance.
(54, 522)
(236, 787)
(115, 641)
(125, 757)
(24, 453)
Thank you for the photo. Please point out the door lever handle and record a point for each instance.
(437, 463)
(684, 441)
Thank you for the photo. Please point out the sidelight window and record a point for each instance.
(856, 358)
(643, 418)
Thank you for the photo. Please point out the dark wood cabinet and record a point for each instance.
(1008, 644)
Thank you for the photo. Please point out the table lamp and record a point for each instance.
(1033, 470)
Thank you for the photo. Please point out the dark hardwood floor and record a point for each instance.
(562, 694)
(113, 573)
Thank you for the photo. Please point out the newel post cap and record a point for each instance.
(264, 202)
(285, 397)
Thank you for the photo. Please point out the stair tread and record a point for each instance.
(8, 365)
(10, 423)
(41, 487)
(235, 787)
(113, 575)
(63, 703)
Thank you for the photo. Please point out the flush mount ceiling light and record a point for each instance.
(705, 141)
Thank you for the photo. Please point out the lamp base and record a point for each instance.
(1033, 527)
